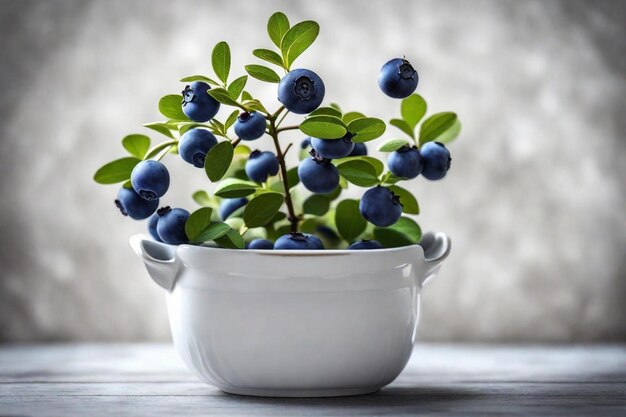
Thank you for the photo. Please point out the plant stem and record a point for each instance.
(282, 118)
(287, 128)
(273, 131)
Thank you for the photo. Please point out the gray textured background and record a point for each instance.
(534, 202)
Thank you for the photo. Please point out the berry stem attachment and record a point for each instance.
(273, 132)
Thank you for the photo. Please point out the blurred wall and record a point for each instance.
(535, 201)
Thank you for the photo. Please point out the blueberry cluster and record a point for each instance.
(258, 183)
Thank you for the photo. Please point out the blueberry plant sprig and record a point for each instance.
(253, 187)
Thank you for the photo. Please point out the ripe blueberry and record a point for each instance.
(260, 244)
(131, 204)
(150, 179)
(318, 174)
(229, 205)
(380, 206)
(250, 126)
(197, 104)
(171, 225)
(406, 162)
(397, 78)
(306, 142)
(366, 244)
(152, 227)
(298, 241)
(301, 91)
(436, 160)
(261, 165)
(194, 145)
(333, 148)
(360, 149)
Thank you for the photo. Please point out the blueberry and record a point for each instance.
(333, 148)
(436, 160)
(261, 165)
(301, 91)
(150, 179)
(260, 244)
(171, 225)
(306, 142)
(250, 126)
(397, 78)
(230, 205)
(406, 162)
(298, 241)
(380, 206)
(318, 174)
(152, 227)
(131, 204)
(366, 244)
(194, 145)
(197, 104)
(360, 149)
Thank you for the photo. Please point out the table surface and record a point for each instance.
(442, 380)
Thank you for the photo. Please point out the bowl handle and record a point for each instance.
(436, 248)
(159, 258)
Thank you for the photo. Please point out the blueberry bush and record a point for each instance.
(258, 199)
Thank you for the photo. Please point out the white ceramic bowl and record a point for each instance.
(294, 323)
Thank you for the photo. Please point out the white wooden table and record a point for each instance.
(442, 380)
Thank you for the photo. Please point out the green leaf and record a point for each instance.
(231, 240)
(218, 160)
(391, 238)
(255, 105)
(116, 171)
(245, 96)
(202, 198)
(220, 59)
(199, 78)
(262, 208)
(413, 108)
(408, 201)
(222, 96)
(213, 231)
(160, 127)
(335, 106)
(262, 73)
(197, 222)
(236, 87)
(170, 106)
(242, 150)
(297, 40)
(348, 220)
(404, 232)
(436, 125)
(403, 126)
(328, 111)
(136, 145)
(316, 204)
(409, 228)
(324, 127)
(235, 188)
(269, 56)
(160, 147)
(293, 178)
(232, 118)
(366, 129)
(379, 167)
(277, 26)
(392, 145)
(353, 115)
(391, 179)
(450, 134)
(358, 172)
(188, 126)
